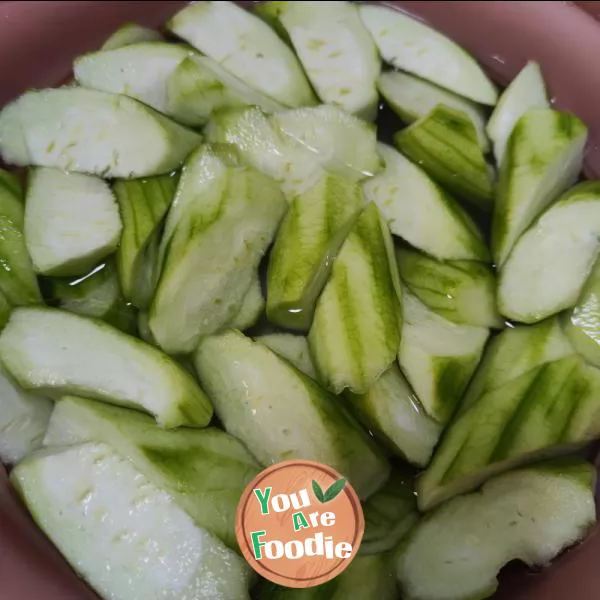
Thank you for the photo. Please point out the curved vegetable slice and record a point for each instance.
(549, 265)
(281, 414)
(200, 86)
(525, 92)
(173, 79)
(411, 98)
(248, 48)
(550, 410)
(97, 294)
(293, 348)
(355, 333)
(131, 33)
(204, 470)
(122, 534)
(438, 357)
(412, 46)
(143, 204)
(57, 353)
(87, 131)
(444, 143)
(252, 307)
(514, 352)
(419, 211)
(461, 291)
(222, 221)
(390, 513)
(18, 282)
(582, 323)
(543, 158)
(343, 143)
(141, 71)
(265, 148)
(365, 578)
(23, 420)
(310, 236)
(71, 221)
(531, 515)
(337, 53)
(392, 411)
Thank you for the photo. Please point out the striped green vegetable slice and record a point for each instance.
(543, 157)
(18, 282)
(310, 236)
(444, 144)
(438, 357)
(461, 291)
(551, 409)
(143, 204)
(355, 334)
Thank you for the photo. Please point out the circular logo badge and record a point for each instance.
(299, 523)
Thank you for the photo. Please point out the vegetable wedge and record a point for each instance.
(526, 91)
(444, 144)
(173, 79)
(57, 353)
(412, 46)
(252, 307)
(18, 282)
(515, 351)
(125, 536)
(72, 221)
(531, 514)
(222, 221)
(293, 348)
(143, 205)
(396, 417)
(309, 239)
(87, 131)
(419, 211)
(549, 410)
(438, 357)
(247, 47)
(262, 146)
(245, 381)
(561, 247)
(343, 143)
(411, 98)
(461, 291)
(337, 53)
(23, 420)
(543, 158)
(582, 323)
(355, 333)
(204, 470)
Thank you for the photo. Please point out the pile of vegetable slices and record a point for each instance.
(216, 264)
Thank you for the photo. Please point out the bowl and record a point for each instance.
(38, 41)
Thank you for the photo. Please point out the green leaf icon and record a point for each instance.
(318, 491)
(334, 490)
